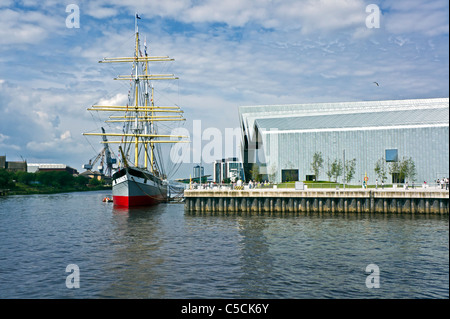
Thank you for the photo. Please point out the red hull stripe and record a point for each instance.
(128, 201)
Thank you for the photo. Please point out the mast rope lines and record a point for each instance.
(140, 114)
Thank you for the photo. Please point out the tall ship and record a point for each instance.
(140, 179)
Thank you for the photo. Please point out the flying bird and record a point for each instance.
(376, 83)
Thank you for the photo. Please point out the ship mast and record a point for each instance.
(146, 114)
(136, 90)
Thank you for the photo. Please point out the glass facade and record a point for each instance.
(286, 137)
(230, 168)
(391, 155)
(198, 171)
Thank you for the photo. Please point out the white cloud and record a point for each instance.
(429, 23)
(310, 16)
(315, 51)
(323, 15)
(98, 11)
(29, 27)
(5, 145)
(417, 16)
(66, 135)
(3, 137)
(232, 12)
(12, 31)
(6, 3)
(118, 99)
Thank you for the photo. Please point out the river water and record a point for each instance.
(165, 252)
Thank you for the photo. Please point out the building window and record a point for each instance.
(289, 175)
(392, 155)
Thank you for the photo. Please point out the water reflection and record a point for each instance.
(135, 241)
(255, 258)
(165, 252)
(325, 255)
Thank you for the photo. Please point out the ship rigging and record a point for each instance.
(140, 180)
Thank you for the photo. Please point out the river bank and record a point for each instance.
(33, 190)
(46, 182)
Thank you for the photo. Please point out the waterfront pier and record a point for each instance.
(261, 201)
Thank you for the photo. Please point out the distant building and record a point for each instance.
(199, 171)
(12, 166)
(282, 139)
(228, 168)
(34, 168)
(92, 175)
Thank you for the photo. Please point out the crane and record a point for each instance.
(93, 162)
(109, 160)
(104, 153)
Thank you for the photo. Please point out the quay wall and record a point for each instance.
(320, 201)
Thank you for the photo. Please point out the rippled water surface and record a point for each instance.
(164, 252)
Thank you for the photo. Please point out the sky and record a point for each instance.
(228, 53)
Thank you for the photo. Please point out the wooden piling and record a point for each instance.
(289, 201)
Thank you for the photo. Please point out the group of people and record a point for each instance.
(376, 184)
(255, 184)
(442, 183)
(239, 183)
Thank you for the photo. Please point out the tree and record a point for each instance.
(25, 178)
(81, 181)
(380, 169)
(403, 170)
(411, 169)
(95, 182)
(336, 169)
(329, 170)
(350, 167)
(5, 179)
(273, 173)
(317, 164)
(55, 178)
(394, 171)
(254, 172)
(407, 169)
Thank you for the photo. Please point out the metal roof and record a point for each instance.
(346, 115)
(52, 166)
(353, 120)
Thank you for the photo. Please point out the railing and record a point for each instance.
(321, 185)
(231, 186)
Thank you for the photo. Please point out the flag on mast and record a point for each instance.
(145, 46)
(136, 24)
